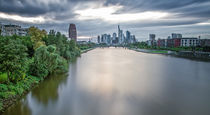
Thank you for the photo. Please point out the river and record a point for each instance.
(117, 81)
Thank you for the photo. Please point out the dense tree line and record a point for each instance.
(38, 54)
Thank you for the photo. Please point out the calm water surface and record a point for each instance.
(116, 81)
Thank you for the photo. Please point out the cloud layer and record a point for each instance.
(93, 17)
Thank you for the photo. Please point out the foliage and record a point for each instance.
(12, 89)
(89, 45)
(12, 58)
(3, 77)
(36, 36)
(24, 56)
(26, 41)
(160, 51)
(65, 48)
(46, 60)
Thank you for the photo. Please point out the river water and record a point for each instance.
(117, 81)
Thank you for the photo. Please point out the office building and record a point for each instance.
(72, 32)
(176, 35)
(128, 37)
(187, 42)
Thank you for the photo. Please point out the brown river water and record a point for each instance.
(117, 81)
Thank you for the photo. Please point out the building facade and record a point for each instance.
(152, 41)
(2, 30)
(204, 42)
(177, 42)
(99, 39)
(128, 37)
(72, 32)
(170, 42)
(152, 36)
(9, 30)
(161, 43)
(187, 42)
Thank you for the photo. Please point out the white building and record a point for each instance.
(9, 30)
(187, 42)
(2, 30)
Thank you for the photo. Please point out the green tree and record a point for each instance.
(65, 48)
(46, 61)
(36, 36)
(12, 58)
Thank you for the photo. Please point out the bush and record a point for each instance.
(3, 77)
(3, 88)
(4, 95)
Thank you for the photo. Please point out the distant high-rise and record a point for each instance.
(175, 35)
(114, 36)
(120, 35)
(151, 36)
(72, 32)
(128, 36)
(99, 41)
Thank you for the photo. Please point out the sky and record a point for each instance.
(95, 17)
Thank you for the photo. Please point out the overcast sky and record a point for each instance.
(95, 17)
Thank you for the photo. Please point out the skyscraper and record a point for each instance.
(120, 35)
(151, 36)
(72, 32)
(114, 36)
(99, 41)
(128, 37)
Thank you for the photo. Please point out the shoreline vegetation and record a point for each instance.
(197, 53)
(25, 61)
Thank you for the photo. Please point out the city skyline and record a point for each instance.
(119, 38)
(190, 17)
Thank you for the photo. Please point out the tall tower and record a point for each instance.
(72, 32)
(119, 36)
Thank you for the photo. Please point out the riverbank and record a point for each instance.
(12, 92)
(186, 54)
(86, 50)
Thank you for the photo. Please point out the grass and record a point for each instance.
(159, 51)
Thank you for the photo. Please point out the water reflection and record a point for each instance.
(115, 81)
(49, 89)
(20, 108)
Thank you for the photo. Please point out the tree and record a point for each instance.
(46, 61)
(12, 58)
(36, 36)
(26, 41)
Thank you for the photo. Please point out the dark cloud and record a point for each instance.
(184, 13)
(30, 7)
